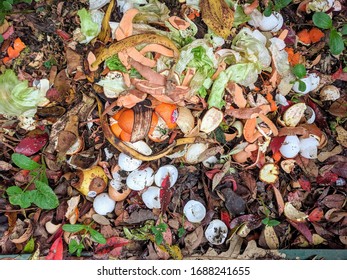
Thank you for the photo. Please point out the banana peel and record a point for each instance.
(104, 35)
(123, 148)
(133, 41)
(218, 16)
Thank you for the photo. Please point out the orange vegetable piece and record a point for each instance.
(6, 59)
(19, 45)
(316, 35)
(12, 53)
(304, 37)
(125, 136)
(293, 58)
(116, 129)
(272, 102)
(277, 156)
(168, 112)
(126, 120)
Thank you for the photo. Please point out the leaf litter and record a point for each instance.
(211, 91)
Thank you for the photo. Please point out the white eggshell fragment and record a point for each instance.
(163, 171)
(290, 147)
(309, 147)
(139, 179)
(194, 151)
(103, 204)
(310, 115)
(194, 211)
(210, 162)
(311, 82)
(329, 93)
(127, 163)
(151, 197)
(216, 232)
(140, 146)
(272, 23)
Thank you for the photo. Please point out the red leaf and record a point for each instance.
(316, 215)
(225, 216)
(8, 32)
(32, 144)
(165, 194)
(320, 117)
(276, 143)
(303, 229)
(305, 184)
(113, 246)
(327, 179)
(210, 173)
(56, 250)
(62, 34)
(339, 75)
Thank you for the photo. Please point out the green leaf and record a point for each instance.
(268, 10)
(114, 64)
(322, 20)
(344, 30)
(273, 223)
(7, 6)
(239, 16)
(181, 231)
(74, 246)
(280, 4)
(24, 162)
(299, 71)
(29, 247)
(19, 197)
(336, 44)
(97, 236)
(302, 86)
(158, 238)
(74, 228)
(45, 198)
(265, 221)
(1, 38)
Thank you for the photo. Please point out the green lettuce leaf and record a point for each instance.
(16, 97)
(90, 24)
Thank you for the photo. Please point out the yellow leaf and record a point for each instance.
(218, 16)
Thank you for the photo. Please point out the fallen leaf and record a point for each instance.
(303, 229)
(341, 136)
(323, 156)
(73, 59)
(334, 201)
(32, 144)
(271, 237)
(56, 250)
(293, 214)
(72, 212)
(316, 215)
(235, 204)
(193, 239)
(113, 246)
(218, 16)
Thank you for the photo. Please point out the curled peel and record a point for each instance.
(133, 41)
(218, 16)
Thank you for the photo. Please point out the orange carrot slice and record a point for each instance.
(18, 45)
(12, 53)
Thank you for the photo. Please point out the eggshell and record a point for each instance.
(139, 179)
(309, 147)
(103, 204)
(290, 147)
(151, 197)
(163, 171)
(127, 163)
(216, 232)
(194, 211)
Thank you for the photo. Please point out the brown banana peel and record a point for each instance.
(133, 41)
(123, 148)
(104, 34)
(218, 16)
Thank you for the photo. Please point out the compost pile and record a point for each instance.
(172, 129)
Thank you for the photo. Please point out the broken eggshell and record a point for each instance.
(194, 211)
(294, 114)
(127, 163)
(103, 204)
(311, 82)
(117, 190)
(290, 146)
(211, 120)
(139, 179)
(141, 147)
(194, 151)
(271, 23)
(185, 120)
(269, 173)
(151, 197)
(309, 147)
(216, 232)
(329, 93)
(163, 171)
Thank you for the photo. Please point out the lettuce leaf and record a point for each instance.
(17, 98)
(90, 24)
